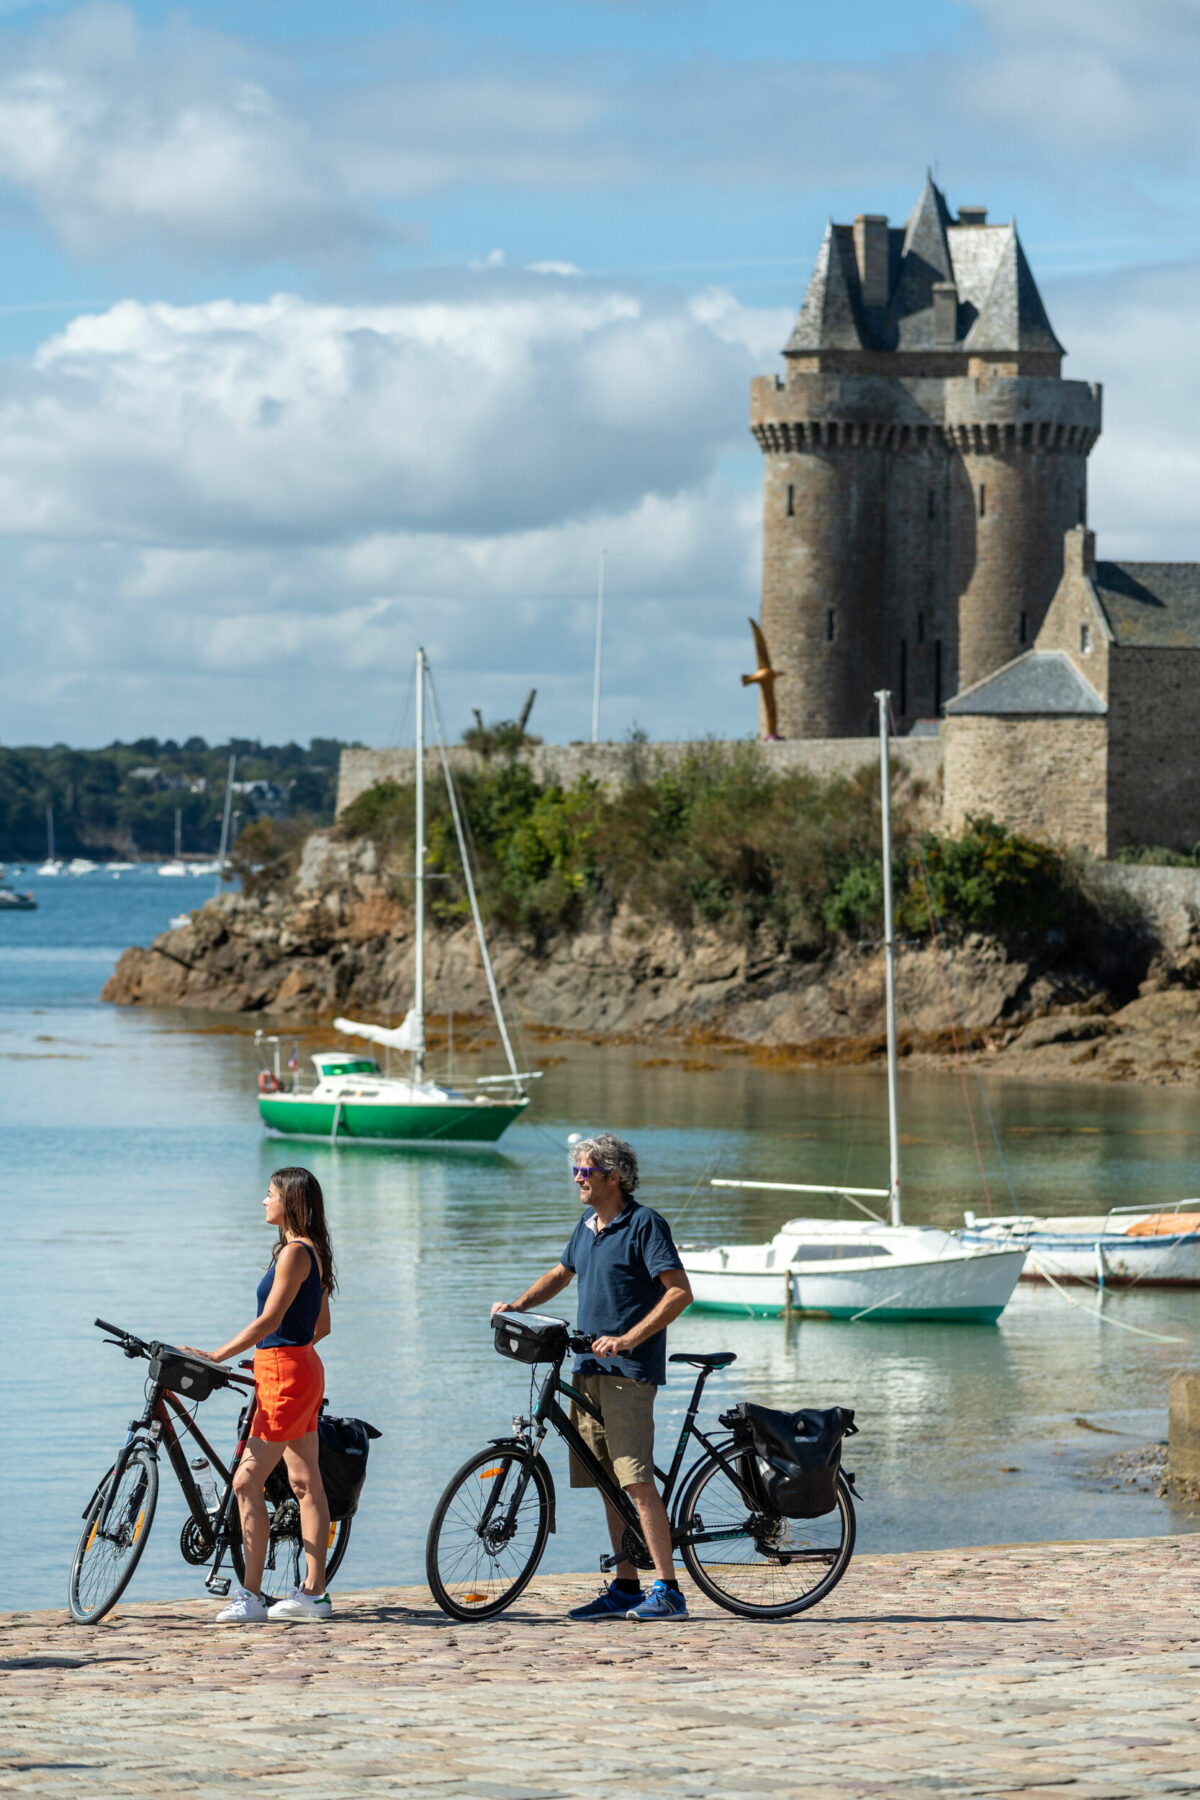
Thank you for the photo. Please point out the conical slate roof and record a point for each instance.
(829, 317)
(999, 306)
(1012, 316)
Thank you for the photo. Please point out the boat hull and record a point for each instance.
(1108, 1258)
(326, 1121)
(972, 1289)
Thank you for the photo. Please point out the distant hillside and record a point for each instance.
(121, 801)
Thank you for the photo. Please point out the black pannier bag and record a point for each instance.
(530, 1337)
(343, 1446)
(185, 1375)
(797, 1455)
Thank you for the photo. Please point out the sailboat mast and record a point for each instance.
(889, 951)
(223, 853)
(49, 834)
(419, 889)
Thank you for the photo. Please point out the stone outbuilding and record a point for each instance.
(1092, 737)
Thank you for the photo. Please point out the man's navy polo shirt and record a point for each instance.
(618, 1270)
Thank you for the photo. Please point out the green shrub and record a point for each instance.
(715, 839)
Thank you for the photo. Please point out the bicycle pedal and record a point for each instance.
(219, 1585)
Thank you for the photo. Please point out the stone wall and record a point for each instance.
(1044, 776)
(1153, 734)
(614, 764)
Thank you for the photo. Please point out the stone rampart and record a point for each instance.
(612, 765)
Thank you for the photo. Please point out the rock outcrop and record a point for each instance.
(339, 939)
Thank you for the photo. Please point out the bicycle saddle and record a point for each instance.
(705, 1359)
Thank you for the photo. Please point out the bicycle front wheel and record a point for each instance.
(757, 1564)
(488, 1533)
(105, 1560)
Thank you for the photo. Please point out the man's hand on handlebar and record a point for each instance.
(610, 1346)
(503, 1306)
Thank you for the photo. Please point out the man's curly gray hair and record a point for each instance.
(608, 1152)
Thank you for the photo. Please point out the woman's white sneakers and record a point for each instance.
(302, 1606)
(249, 1609)
(244, 1609)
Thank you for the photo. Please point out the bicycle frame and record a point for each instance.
(155, 1428)
(549, 1413)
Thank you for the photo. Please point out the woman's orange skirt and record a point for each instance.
(291, 1386)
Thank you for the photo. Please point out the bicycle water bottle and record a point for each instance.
(205, 1483)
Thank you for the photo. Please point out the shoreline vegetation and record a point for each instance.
(711, 902)
(121, 801)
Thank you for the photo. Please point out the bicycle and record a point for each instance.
(118, 1517)
(489, 1529)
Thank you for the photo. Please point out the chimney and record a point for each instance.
(871, 255)
(1079, 552)
(972, 215)
(945, 312)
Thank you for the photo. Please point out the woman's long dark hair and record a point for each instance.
(304, 1216)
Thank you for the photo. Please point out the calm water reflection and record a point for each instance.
(134, 1166)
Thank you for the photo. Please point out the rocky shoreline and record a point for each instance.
(336, 938)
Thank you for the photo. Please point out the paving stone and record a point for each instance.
(1069, 1671)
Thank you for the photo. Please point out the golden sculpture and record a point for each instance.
(764, 678)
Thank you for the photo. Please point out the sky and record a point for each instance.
(326, 331)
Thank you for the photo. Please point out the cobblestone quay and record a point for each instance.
(1067, 1670)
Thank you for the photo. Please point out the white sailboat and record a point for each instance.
(353, 1099)
(870, 1268)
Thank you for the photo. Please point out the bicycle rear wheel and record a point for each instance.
(482, 1549)
(757, 1564)
(285, 1567)
(105, 1560)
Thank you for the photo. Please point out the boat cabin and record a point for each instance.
(343, 1062)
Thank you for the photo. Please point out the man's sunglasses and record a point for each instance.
(582, 1169)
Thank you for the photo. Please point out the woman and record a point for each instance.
(293, 1316)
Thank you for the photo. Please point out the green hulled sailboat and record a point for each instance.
(353, 1100)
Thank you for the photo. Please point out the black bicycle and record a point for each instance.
(120, 1513)
(490, 1527)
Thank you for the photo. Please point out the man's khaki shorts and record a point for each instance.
(624, 1443)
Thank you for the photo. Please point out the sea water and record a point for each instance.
(135, 1165)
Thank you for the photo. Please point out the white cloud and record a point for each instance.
(296, 493)
(121, 137)
(1137, 334)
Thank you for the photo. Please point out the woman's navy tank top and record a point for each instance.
(299, 1323)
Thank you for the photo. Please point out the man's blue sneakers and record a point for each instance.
(662, 1602)
(608, 1604)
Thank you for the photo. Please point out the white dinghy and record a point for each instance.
(865, 1268)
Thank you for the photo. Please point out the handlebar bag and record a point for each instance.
(530, 1337)
(184, 1375)
(797, 1455)
(343, 1446)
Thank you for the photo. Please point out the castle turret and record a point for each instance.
(923, 459)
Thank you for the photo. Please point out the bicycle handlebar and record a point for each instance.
(134, 1346)
(579, 1341)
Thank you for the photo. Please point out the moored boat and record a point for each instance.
(13, 901)
(353, 1099)
(870, 1268)
(1146, 1246)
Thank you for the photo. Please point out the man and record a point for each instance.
(631, 1286)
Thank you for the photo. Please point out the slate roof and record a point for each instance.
(1041, 681)
(1151, 605)
(999, 306)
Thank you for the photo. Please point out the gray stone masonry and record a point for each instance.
(1069, 1670)
(611, 765)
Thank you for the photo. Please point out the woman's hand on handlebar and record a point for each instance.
(191, 1350)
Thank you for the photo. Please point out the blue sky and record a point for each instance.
(316, 341)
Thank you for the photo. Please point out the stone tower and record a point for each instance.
(923, 458)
